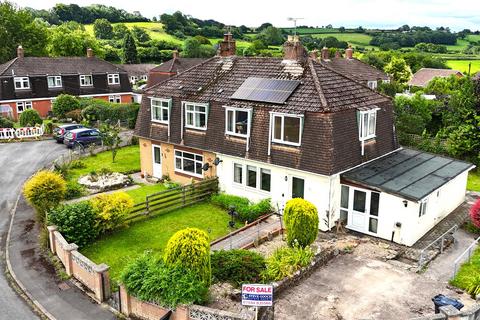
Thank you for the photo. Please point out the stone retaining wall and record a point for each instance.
(450, 313)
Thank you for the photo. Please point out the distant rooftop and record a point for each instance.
(423, 76)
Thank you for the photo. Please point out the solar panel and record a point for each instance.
(266, 90)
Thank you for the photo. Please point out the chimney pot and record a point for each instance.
(176, 55)
(349, 53)
(20, 52)
(290, 38)
(89, 53)
(296, 38)
(294, 50)
(228, 46)
(314, 54)
(325, 53)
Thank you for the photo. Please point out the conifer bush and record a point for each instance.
(301, 222)
(190, 248)
(30, 118)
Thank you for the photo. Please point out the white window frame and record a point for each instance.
(386, 81)
(283, 116)
(258, 182)
(26, 104)
(364, 133)
(423, 206)
(194, 104)
(367, 213)
(113, 79)
(193, 174)
(372, 84)
(82, 80)
(115, 99)
(57, 80)
(23, 83)
(235, 110)
(161, 107)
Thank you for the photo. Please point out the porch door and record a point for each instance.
(157, 161)
(359, 208)
(298, 187)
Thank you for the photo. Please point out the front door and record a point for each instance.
(157, 161)
(359, 209)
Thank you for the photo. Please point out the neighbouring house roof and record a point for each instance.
(355, 68)
(56, 66)
(138, 69)
(407, 173)
(423, 76)
(171, 67)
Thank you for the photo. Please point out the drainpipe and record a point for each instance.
(181, 123)
(270, 135)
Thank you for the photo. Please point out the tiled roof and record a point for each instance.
(55, 66)
(355, 68)
(138, 69)
(322, 89)
(178, 65)
(423, 76)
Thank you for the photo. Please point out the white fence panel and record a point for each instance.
(7, 133)
(29, 132)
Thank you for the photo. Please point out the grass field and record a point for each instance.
(473, 183)
(462, 65)
(152, 234)
(355, 39)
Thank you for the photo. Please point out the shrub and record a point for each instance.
(30, 118)
(45, 190)
(473, 286)
(76, 222)
(470, 227)
(6, 123)
(111, 210)
(301, 222)
(190, 248)
(150, 279)
(63, 104)
(237, 266)
(475, 214)
(74, 190)
(75, 115)
(245, 209)
(286, 261)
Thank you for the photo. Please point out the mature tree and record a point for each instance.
(129, 49)
(398, 69)
(140, 34)
(192, 48)
(341, 29)
(65, 42)
(264, 26)
(120, 31)
(17, 27)
(271, 36)
(413, 114)
(103, 29)
(111, 138)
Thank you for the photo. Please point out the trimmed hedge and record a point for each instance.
(301, 222)
(237, 266)
(30, 118)
(247, 211)
(95, 109)
(45, 190)
(63, 104)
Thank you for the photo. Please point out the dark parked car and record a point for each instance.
(59, 132)
(82, 137)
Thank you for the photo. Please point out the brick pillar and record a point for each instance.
(51, 238)
(125, 301)
(68, 257)
(102, 290)
(181, 313)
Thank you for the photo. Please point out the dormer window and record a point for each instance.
(21, 83)
(237, 122)
(113, 78)
(372, 84)
(160, 110)
(86, 80)
(54, 81)
(287, 129)
(196, 115)
(367, 124)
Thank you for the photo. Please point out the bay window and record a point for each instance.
(196, 116)
(189, 163)
(237, 122)
(287, 129)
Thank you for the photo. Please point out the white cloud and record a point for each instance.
(350, 13)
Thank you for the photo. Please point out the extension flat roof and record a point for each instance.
(407, 173)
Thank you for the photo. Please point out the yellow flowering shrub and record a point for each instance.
(111, 210)
(45, 190)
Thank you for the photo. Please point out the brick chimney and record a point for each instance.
(20, 52)
(294, 50)
(338, 54)
(314, 54)
(349, 53)
(228, 46)
(89, 53)
(325, 53)
(176, 55)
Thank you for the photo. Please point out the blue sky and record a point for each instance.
(349, 13)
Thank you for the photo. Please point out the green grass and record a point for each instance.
(462, 65)
(141, 193)
(152, 234)
(473, 183)
(355, 39)
(127, 160)
(468, 272)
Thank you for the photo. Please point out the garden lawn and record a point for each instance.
(468, 272)
(152, 234)
(473, 183)
(139, 195)
(126, 161)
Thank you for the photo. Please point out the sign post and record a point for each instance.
(257, 295)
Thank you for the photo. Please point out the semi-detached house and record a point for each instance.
(295, 126)
(34, 82)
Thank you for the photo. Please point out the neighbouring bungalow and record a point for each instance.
(138, 72)
(34, 82)
(296, 127)
(422, 77)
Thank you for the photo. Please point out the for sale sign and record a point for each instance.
(257, 295)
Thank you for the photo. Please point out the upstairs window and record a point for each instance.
(113, 78)
(287, 129)
(367, 124)
(372, 84)
(237, 122)
(196, 116)
(21, 83)
(54, 81)
(86, 80)
(160, 110)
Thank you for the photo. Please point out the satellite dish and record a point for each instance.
(206, 166)
(217, 161)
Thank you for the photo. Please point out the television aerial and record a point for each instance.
(294, 24)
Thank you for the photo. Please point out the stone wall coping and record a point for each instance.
(52, 228)
(222, 313)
